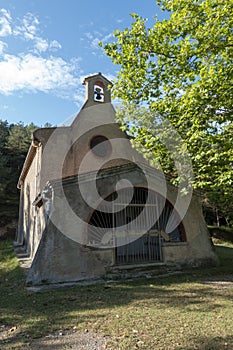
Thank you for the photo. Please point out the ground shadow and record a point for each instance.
(50, 310)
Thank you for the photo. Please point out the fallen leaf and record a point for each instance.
(12, 329)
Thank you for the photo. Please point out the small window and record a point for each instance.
(100, 146)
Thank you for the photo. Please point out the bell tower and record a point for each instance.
(97, 90)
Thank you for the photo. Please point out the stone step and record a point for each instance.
(142, 270)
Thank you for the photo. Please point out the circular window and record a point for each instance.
(100, 146)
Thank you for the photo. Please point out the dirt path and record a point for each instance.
(80, 341)
(61, 340)
(219, 282)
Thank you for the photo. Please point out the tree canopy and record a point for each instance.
(14, 143)
(181, 69)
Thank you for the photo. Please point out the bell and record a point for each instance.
(98, 94)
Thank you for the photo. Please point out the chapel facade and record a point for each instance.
(90, 204)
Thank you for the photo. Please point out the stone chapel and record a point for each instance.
(90, 204)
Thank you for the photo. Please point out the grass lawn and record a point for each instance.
(189, 311)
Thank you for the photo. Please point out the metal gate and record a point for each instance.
(134, 222)
(144, 249)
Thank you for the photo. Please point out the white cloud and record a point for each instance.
(3, 47)
(41, 45)
(28, 30)
(89, 35)
(28, 27)
(6, 14)
(33, 73)
(79, 96)
(54, 44)
(111, 77)
(96, 37)
(5, 26)
(34, 69)
(95, 43)
(107, 37)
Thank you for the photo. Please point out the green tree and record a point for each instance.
(19, 138)
(18, 142)
(4, 170)
(15, 140)
(4, 133)
(182, 69)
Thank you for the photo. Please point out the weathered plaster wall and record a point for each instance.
(198, 250)
(29, 188)
(31, 218)
(62, 257)
(66, 150)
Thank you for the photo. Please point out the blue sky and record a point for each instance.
(47, 47)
